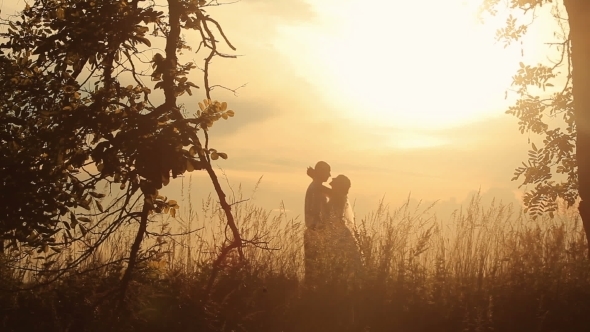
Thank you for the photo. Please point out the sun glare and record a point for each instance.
(414, 140)
(409, 64)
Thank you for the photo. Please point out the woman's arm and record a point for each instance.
(326, 191)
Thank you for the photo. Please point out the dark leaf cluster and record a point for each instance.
(75, 112)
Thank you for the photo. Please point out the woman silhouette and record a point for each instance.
(341, 251)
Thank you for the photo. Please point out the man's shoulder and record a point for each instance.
(312, 186)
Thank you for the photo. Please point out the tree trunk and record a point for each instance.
(134, 251)
(579, 21)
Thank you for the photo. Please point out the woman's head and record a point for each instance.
(340, 185)
(321, 171)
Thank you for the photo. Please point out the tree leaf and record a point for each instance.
(192, 150)
(85, 205)
(144, 40)
(99, 206)
(73, 220)
(189, 166)
(60, 13)
(96, 195)
(83, 229)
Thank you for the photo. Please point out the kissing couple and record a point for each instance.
(331, 252)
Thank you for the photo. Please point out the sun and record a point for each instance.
(411, 64)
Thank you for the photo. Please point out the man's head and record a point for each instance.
(321, 171)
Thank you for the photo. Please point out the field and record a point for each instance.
(481, 269)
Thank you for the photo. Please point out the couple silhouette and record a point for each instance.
(331, 252)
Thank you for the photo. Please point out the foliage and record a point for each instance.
(544, 107)
(80, 110)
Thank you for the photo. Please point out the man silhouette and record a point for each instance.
(315, 202)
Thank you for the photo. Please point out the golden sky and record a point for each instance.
(403, 97)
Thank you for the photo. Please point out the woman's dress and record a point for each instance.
(343, 256)
(331, 253)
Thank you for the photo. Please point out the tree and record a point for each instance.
(80, 109)
(553, 102)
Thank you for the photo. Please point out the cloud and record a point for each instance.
(281, 157)
(482, 154)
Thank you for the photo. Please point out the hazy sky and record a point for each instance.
(401, 96)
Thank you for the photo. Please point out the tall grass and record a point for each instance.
(480, 269)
